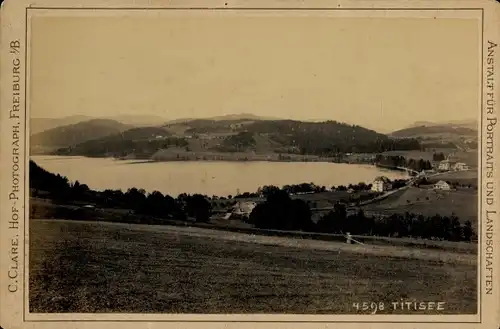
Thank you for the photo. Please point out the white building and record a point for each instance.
(381, 184)
(460, 166)
(244, 208)
(445, 165)
(442, 185)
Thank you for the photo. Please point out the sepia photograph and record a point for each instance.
(239, 161)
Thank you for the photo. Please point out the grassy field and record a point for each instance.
(110, 267)
(44, 209)
(428, 202)
(320, 199)
(461, 177)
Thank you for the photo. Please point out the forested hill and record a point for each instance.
(140, 142)
(260, 136)
(327, 137)
(435, 129)
(73, 134)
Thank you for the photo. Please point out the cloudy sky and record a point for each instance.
(383, 73)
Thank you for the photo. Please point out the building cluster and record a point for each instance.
(442, 185)
(242, 209)
(381, 184)
(447, 165)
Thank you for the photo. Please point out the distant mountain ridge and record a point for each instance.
(420, 131)
(468, 123)
(228, 117)
(37, 125)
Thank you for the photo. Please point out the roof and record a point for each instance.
(441, 182)
(381, 178)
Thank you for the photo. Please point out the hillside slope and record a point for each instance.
(428, 202)
(471, 124)
(448, 136)
(37, 125)
(136, 142)
(433, 130)
(70, 135)
(242, 135)
(291, 136)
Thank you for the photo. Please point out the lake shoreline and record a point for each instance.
(209, 177)
(168, 155)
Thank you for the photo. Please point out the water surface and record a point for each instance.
(220, 178)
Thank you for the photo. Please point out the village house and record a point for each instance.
(381, 184)
(460, 166)
(243, 208)
(442, 185)
(445, 165)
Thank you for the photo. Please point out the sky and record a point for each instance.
(383, 73)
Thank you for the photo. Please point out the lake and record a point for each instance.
(221, 178)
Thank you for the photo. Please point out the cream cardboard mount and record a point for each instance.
(249, 164)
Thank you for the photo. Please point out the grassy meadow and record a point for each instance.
(111, 267)
(428, 202)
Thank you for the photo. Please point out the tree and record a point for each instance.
(197, 206)
(455, 229)
(155, 205)
(136, 199)
(267, 190)
(326, 224)
(468, 231)
(438, 157)
(280, 212)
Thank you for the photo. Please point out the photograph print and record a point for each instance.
(253, 161)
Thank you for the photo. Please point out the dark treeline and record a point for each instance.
(292, 189)
(122, 148)
(60, 190)
(264, 191)
(138, 141)
(438, 156)
(280, 212)
(397, 225)
(400, 161)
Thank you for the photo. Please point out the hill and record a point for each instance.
(328, 137)
(428, 202)
(447, 136)
(140, 142)
(139, 120)
(37, 125)
(228, 117)
(434, 130)
(269, 137)
(73, 134)
(289, 136)
(470, 123)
